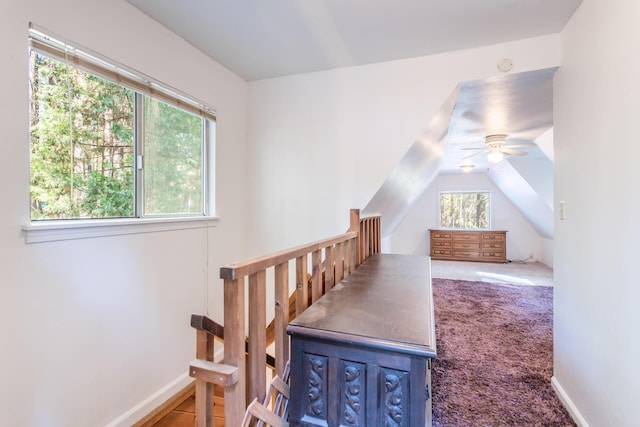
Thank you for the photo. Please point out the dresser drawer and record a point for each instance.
(466, 254)
(492, 245)
(442, 244)
(441, 252)
(441, 235)
(493, 254)
(466, 245)
(493, 237)
(467, 237)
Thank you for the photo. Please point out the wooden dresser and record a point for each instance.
(469, 245)
(361, 354)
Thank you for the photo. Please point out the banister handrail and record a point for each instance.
(241, 269)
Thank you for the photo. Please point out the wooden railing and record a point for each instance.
(331, 260)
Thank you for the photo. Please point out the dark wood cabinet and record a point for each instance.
(361, 354)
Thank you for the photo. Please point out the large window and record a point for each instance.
(465, 210)
(108, 143)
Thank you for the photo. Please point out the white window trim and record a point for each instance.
(51, 231)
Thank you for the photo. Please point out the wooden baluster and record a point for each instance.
(281, 316)
(354, 253)
(316, 275)
(257, 376)
(369, 238)
(347, 258)
(234, 349)
(354, 225)
(329, 277)
(365, 240)
(339, 260)
(302, 288)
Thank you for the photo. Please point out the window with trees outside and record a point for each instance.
(465, 210)
(106, 142)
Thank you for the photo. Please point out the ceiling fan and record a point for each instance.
(497, 147)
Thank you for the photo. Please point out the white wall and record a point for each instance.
(93, 327)
(547, 252)
(322, 143)
(412, 237)
(596, 110)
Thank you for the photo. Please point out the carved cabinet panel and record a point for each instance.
(362, 388)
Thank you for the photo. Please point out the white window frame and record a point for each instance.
(66, 229)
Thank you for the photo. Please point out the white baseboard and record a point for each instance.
(152, 402)
(568, 403)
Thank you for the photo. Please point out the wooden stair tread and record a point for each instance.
(184, 414)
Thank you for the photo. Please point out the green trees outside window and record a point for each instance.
(173, 158)
(465, 210)
(82, 148)
(89, 161)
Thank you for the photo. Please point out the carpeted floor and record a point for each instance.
(495, 361)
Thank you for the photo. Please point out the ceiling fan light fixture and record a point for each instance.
(495, 156)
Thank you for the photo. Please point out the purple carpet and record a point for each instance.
(495, 360)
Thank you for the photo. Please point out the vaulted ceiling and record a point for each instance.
(259, 39)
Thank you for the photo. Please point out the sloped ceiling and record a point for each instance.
(519, 105)
(259, 39)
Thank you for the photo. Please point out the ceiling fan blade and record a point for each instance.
(507, 150)
(473, 148)
(524, 144)
(474, 117)
(475, 130)
(518, 140)
(474, 154)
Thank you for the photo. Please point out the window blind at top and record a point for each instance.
(109, 70)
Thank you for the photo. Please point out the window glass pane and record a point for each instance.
(81, 141)
(173, 159)
(464, 210)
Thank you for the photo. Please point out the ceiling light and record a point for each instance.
(495, 156)
(467, 167)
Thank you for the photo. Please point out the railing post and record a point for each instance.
(204, 389)
(256, 371)
(281, 316)
(234, 350)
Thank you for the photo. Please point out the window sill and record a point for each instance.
(50, 231)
